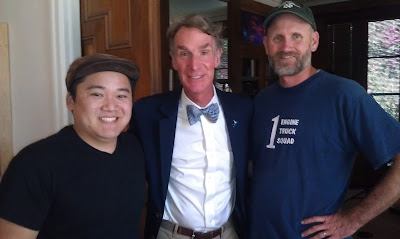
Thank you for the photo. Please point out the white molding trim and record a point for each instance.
(65, 47)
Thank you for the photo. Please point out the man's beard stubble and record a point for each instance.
(289, 69)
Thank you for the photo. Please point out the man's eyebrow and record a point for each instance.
(124, 89)
(205, 46)
(103, 88)
(182, 48)
(95, 87)
(202, 47)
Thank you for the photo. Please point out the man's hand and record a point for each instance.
(335, 226)
(345, 223)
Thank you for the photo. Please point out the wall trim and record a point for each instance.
(66, 47)
(6, 135)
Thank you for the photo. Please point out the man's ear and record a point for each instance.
(265, 39)
(70, 102)
(173, 61)
(314, 41)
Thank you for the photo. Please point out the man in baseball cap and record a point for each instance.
(87, 180)
(307, 130)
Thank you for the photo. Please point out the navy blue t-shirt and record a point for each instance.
(305, 140)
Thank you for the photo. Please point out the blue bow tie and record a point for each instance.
(210, 112)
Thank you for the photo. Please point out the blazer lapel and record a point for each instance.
(167, 124)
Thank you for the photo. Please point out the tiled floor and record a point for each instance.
(385, 226)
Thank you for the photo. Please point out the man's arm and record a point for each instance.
(9, 230)
(345, 223)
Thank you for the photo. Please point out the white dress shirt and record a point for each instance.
(201, 189)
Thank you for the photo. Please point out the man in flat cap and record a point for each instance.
(87, 180)
(307, 130)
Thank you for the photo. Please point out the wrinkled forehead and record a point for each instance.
(193, 38)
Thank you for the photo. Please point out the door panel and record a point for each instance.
(129, 29)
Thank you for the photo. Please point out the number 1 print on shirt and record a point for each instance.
(271, 144)
(287, 132)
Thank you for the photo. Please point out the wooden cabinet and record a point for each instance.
(248, 70)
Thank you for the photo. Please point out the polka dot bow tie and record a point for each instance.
(210, 112)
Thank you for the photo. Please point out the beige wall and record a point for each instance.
(40, 49)
(6, 149)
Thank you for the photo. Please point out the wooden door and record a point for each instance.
(129, 29)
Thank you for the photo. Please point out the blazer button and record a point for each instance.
(159, 215)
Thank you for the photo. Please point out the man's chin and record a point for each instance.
(286, 72)
(110, 134)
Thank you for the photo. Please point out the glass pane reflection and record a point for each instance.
(384, 75)
(221, 74)
(390, 103)
(224, 55)
(384, 64)
(384, 38)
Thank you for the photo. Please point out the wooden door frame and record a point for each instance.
(165, 57)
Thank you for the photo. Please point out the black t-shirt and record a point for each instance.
(64, 188)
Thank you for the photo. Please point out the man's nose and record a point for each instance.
(109, 103)
(287, 44)
(194, 62)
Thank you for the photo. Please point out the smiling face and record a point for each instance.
(289, 43)
(102, 108)
(195, 57)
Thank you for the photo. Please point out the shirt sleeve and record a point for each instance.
(25, 190)
(375, 132)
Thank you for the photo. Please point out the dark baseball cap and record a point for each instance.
(91, 64)
(297, 9)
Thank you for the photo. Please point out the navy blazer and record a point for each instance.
(154, 122)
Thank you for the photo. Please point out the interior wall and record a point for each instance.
(38, 40)
(6, 149)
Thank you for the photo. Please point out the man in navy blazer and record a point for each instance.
(195, 143)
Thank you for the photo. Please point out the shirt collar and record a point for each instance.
(186, 101)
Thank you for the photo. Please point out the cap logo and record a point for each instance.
(289, 4)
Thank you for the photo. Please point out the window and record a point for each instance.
(221, 73)
(383, 77)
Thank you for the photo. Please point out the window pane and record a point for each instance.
(384, 63)
(224, 55)
(221, 74)
(384, 38)
(384, 75)
(390, 103)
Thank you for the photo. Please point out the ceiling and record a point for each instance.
(275, 3)
(216, 10)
